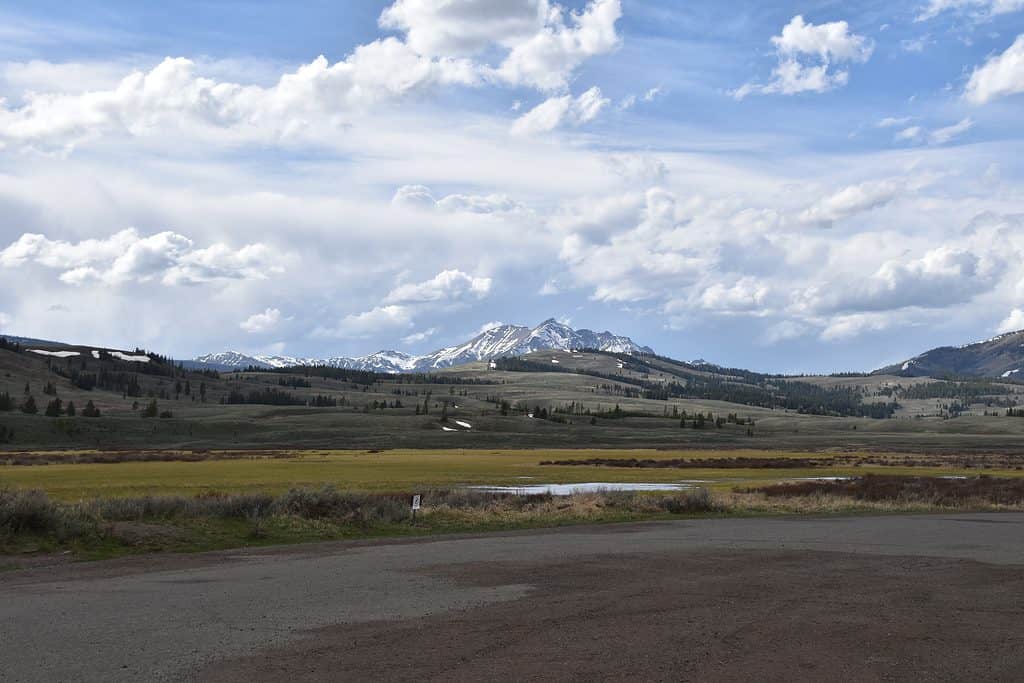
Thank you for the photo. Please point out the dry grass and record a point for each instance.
(884, 493)
(32, 513)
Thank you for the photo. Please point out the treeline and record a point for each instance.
(270, 396)
(368, 377)
(967, 390)
(9, 345)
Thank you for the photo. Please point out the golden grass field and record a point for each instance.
(409, 470)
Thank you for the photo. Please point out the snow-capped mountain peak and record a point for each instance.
(497, 342)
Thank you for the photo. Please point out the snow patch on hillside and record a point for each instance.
(55, 354)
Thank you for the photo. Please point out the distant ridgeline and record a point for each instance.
(368, 377)
(732, 385)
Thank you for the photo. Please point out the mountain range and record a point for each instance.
(1001, 357)
(497, 342)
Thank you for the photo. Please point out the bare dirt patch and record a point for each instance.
(688, 616)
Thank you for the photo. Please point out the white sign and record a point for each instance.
(416, 501)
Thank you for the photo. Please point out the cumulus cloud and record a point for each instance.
(806, 56)
(543, 44)
(939, 278)
(454, 28)
(747, 294)
(261, 322)
(173, 95)
(127, 256)
(446, 286)
(559, 111)
(547, 58)
(690, 256)
(1001, 76)
(1013, 322)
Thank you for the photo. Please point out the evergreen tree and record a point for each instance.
(70, 410)
(54, 408)
(29, 406)
(90, 410)
(151, 410)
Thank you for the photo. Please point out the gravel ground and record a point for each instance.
(866, 598)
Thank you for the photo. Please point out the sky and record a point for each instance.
(786, 186)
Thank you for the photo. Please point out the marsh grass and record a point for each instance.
(320, 513)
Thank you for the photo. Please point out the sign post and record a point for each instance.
(417, 500)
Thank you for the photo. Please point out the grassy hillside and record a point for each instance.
(544, 400)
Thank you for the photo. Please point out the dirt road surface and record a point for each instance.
(936, 597)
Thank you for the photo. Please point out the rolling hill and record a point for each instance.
(999, 357)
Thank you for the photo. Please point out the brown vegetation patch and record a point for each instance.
(739, 463)
(29, 458)
(938, 491)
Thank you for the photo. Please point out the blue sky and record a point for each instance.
(806, 186)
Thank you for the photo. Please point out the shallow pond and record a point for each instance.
(591, 487)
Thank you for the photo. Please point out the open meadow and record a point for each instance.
(72, 476)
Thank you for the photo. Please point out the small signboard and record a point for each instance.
(417, 501)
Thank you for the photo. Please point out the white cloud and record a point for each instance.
(446, 286)
(746, 295)
(940, 278)
(853, 200)
(845, 327)
(173, 96)
(916, 44)
(5, 321)
(652, 94)
(1001, 76)
(1013, 322)
(127, 256)
(784, 330)
(417, 337)
(261, 322)
(910, 134)
(558, 111)
(941, 136)
(833, 40)
(549, 288)
(893, 122)
(806, 54)
(544, 45)
(546, 59)
(937, 136)
(982, 9)
(420, 196)
(378, 320)
(440, 28)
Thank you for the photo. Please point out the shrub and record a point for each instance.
(31, 511)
